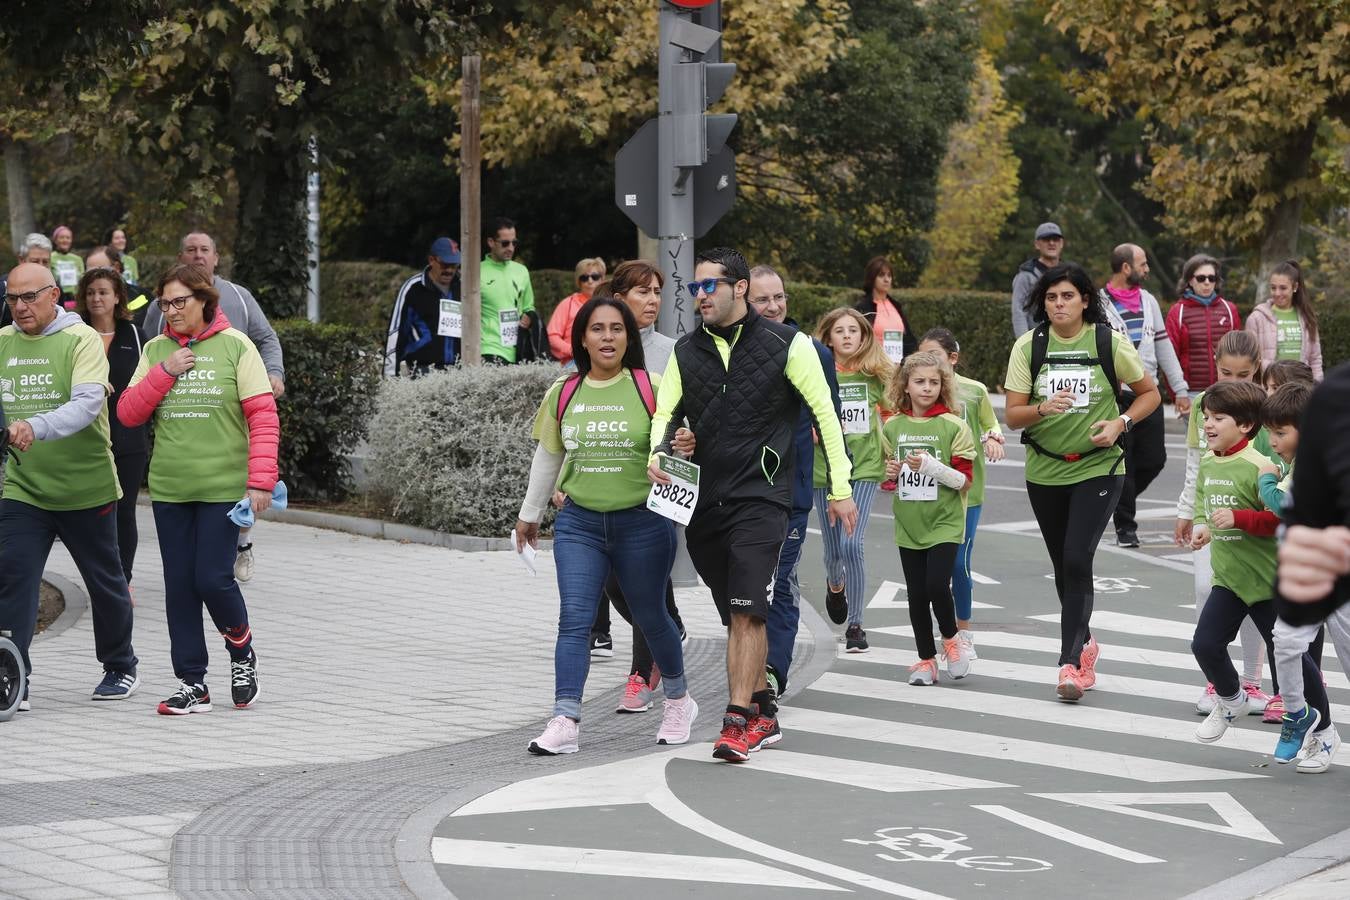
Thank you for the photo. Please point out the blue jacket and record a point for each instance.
(806, 452)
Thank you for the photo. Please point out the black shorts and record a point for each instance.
(735, 550)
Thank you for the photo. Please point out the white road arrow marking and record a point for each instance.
(887, 597)
(1051, 830)
(1241, 823)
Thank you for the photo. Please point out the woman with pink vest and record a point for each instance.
(1286, 325)
(1199, 319)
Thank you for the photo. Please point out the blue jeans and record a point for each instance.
(639, 546)
(961, 583)
(786, 611)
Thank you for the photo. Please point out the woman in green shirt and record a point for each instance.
(597, 437)
(1286, 324)
(1071, 424)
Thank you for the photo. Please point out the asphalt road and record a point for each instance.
(984, 787)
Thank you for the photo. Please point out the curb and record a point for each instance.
(1284, 872)
(77, 601)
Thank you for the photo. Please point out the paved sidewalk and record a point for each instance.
(373, 656)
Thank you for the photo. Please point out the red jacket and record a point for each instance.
(1195, 330)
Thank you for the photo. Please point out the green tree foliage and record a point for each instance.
(1234, 92)
(977, 186)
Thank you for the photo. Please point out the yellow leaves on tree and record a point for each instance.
(977, 185)
(1234, 92)
(594, 79)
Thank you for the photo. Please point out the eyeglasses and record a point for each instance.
(503, 243)
(765, 301)
(176, 302)
(590, 276)
(1206, 279)
(27, 298)
(707, 285)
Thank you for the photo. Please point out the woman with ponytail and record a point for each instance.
(1286, 325)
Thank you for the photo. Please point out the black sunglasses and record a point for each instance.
(504, 243)
(1207, 278)
(590, 276)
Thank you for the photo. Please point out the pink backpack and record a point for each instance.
(640, 378)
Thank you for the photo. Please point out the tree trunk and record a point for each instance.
(1279, 242)
(19, 185)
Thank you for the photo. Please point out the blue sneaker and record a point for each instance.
(1294, 733)
(116, 686)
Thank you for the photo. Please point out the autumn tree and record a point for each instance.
(1234, 92)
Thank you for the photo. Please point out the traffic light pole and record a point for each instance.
(675, 197)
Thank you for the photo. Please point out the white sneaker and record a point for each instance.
(243, 564)
(958, 666)
(1219, 718)
(1325, 743)
(1205, 705)
(676, 719)
(560, 736)
(924, 672)
(968, 644)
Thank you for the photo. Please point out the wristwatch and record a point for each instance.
(1129, 423)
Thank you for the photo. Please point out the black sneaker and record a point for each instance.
(1127, 537)
(189, 698)
(777, 683)
(244, 681)
(836, 604)
(855, 640)
(116, 686)
(601, 645)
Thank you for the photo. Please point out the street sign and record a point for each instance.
(636, 189)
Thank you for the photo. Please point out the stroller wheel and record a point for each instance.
(12, 679)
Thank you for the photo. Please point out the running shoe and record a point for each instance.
(957, 664)
(855, 640)
(968, 644)
(677, 718)
(560, 736)
(771, 680)
(1205, 705)
(1223, 715)
(244, 681)
(189, 698)
(1087, 664)
(637, 696)
(1257, 699)
(1127, 537)
(836, 605)
(1294, 733)
(116, 686)
(601, 645)
(1273, 713)
(243, 564)
(24, 705)
(762, 731)
(924, 672)
(1070, 686)
(733, 745)
(1325, 743)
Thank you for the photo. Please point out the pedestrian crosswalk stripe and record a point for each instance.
(620, 863)
(1068, 836)
(872, 776)
(1147, 626)
(1238, 821)
(969, 743)
(887, 597)
(1113, 653)
(968, 699)
(982, 579)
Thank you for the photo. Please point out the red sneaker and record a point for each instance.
(762, 731)
(1087, 664)
(734, 743)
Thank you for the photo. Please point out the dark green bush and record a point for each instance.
(332, 376)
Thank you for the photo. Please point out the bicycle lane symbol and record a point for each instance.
(907, 843)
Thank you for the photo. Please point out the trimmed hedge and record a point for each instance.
(332, 379)
(455, 447)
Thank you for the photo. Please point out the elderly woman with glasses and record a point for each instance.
(101, 300)
(590, 272)
(216, 435)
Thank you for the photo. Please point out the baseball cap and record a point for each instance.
(1048, 230)
(445, 250)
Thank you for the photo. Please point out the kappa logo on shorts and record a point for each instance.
(737, 601)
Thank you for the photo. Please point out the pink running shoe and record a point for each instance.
(1087, 664)
(676, 720)
(1257, 699)
(1070, 687)
(1274, 711)
(637, 696)
(1205, 705)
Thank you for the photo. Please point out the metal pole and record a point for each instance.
(312, 299)
(470, 215)
(675, 196)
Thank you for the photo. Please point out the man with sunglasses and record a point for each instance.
(506, 298)
(414, 333)
(740, 380)
(60, 479)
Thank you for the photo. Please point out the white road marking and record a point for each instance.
(872, 776)
(1241, 823)
(887, 597)
(1049, 711)
(616, 863)
(982, 579)
(969, 743)
(1051, 830)
(1147, 626)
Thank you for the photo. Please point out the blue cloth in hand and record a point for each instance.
(241, 513)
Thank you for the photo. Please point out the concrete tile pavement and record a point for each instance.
(367, 649)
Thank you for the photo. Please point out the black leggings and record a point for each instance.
(1072, 518)
(928, 583)
(642, 654)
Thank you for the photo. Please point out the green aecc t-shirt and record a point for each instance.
(927, 513)
(978, 414)
(604, 435)
(861, 397)
(1242, 562)
(1288, 333)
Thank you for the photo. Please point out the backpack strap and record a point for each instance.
(566, 393)
(1106, 356)
(643, 380)
(1040, 347)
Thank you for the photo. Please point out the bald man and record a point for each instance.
(60, 480)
